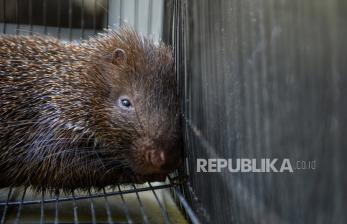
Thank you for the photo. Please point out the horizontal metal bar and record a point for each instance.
(86, 222)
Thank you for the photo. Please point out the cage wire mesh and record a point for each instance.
(264, 79)
(73, 20)
(149, 203)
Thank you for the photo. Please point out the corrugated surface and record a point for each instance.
(76, 19)
(265, 79)
(73, 20)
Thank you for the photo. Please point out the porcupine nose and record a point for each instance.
(163, 160)
(155, 157)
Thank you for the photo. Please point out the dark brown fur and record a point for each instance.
(60, 125)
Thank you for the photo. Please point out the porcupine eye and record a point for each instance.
(125, 103)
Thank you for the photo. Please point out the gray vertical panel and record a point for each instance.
(149, 16)
(114, 13)
(143, 16)
(129, 11)
(157, 18)
(266, 79)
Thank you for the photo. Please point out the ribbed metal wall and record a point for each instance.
(265, 79)
(76, 19)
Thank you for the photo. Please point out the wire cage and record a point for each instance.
(257, 79)
(73, 20)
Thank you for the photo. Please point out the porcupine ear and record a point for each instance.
(117, 57)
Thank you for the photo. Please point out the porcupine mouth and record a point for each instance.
(130, 167)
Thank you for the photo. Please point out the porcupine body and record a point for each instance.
(101, 112)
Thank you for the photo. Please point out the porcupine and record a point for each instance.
(101, 112)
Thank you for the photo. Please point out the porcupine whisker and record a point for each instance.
(43, 134)
(78, 162)
(112, 170)
(51, 142)
(85, 162)
(106, 164)
(82, 152)
(97, 154)
(67, 151)
(62, 148)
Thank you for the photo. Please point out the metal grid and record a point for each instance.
(47, 208)
(108, 205)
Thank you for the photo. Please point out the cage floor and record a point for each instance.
(148, 203)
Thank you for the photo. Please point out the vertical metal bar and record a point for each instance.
(94, 16)
(162, 209)
(144, 215)
(70, 20)
(161, 16)
(108, 210)
(75, 213)
(4, 15)
(82, 18)
(17, 23)
(45, 16)
(150, 17)
(186, 87)
(56, 213)
(121, 13)
(31, 17)
(59, 19)
(175, 37)
(20, 206)
(125, 207)
(107, 14)
(136, 15)
(5, 209)
(92, 208)
(42, 217)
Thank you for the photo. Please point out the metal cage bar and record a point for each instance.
(125, 206)
(56, 199)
